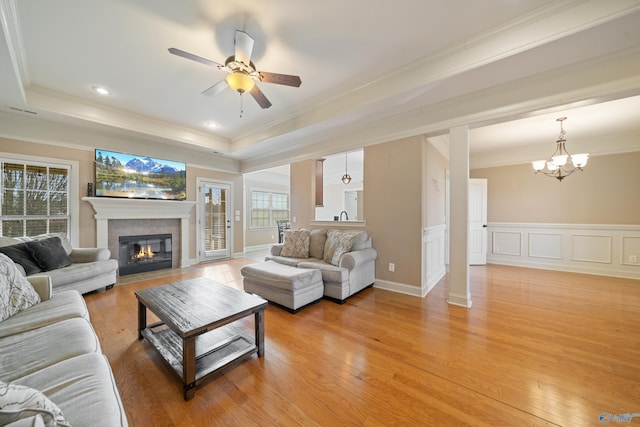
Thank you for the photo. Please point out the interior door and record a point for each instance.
(351, 204)
(477, 221)
(214, 222)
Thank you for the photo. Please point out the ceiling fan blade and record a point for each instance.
(244, 47)
(215, 89)
(259, 97)
(280, 79)
(193, 57)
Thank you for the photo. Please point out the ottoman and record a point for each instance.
(288, 286)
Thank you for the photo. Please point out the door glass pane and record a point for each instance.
(215, 217)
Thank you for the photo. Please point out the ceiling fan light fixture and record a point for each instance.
(240, 81)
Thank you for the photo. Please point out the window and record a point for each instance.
(34, 198)
(267, 207)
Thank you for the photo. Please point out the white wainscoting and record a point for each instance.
(433, 257)
(610, 250)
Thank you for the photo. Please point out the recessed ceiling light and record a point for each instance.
(211, 125)
(101, 90)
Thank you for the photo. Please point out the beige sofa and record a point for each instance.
(80, 269)
(345, 271)
(51, 361)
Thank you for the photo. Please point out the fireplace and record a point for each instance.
(149, 252)
(139, 214)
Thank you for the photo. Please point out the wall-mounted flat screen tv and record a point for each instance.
(139, 177)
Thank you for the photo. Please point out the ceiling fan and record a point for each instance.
(242, 72)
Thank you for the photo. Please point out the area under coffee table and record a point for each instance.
(196, 335)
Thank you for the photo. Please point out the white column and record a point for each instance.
(459, 293)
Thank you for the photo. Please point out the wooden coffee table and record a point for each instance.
(196, 335)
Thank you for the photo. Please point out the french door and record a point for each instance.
(214, 220)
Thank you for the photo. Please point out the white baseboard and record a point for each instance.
(398, 287)
(460, 300)
(256, 248)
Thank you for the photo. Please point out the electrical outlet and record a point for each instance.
(392, 267)
(633, 258)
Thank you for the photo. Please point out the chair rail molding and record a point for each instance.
(602, 249)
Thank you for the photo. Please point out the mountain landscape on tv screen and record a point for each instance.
(143, 177)
(147, 164)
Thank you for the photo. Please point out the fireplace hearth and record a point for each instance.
(139, 254)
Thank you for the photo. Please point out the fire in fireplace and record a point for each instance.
(138, 254)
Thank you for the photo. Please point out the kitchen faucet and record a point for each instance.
(345, 214)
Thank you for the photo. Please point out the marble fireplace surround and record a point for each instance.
(132, 209)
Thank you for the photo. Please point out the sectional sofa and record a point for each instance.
(52, 371)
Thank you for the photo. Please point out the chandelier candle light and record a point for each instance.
(557, 166)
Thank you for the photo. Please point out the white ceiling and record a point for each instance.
(371, 71)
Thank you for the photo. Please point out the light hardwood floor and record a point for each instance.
(536, 348)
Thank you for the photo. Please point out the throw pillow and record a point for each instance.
(20, 255)
(338, 243)
(66, 244)
(8, 241)
(296, 244)
(18, 402)
(317, 240)
(49, 253)
(16, 293)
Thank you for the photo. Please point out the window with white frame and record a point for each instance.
(34, 198)
(267, 207)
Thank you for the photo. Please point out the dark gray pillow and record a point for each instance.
(49, 253)
(21, 255)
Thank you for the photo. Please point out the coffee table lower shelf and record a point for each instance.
(216, 351)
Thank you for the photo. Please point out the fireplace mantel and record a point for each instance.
(112, 208)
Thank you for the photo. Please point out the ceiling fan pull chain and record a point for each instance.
(241, 105)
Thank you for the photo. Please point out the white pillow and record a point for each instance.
(18, 402)
(16, 293)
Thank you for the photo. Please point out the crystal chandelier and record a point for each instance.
(561, 164)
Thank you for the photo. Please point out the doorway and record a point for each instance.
(215, 232)
(353, 204)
